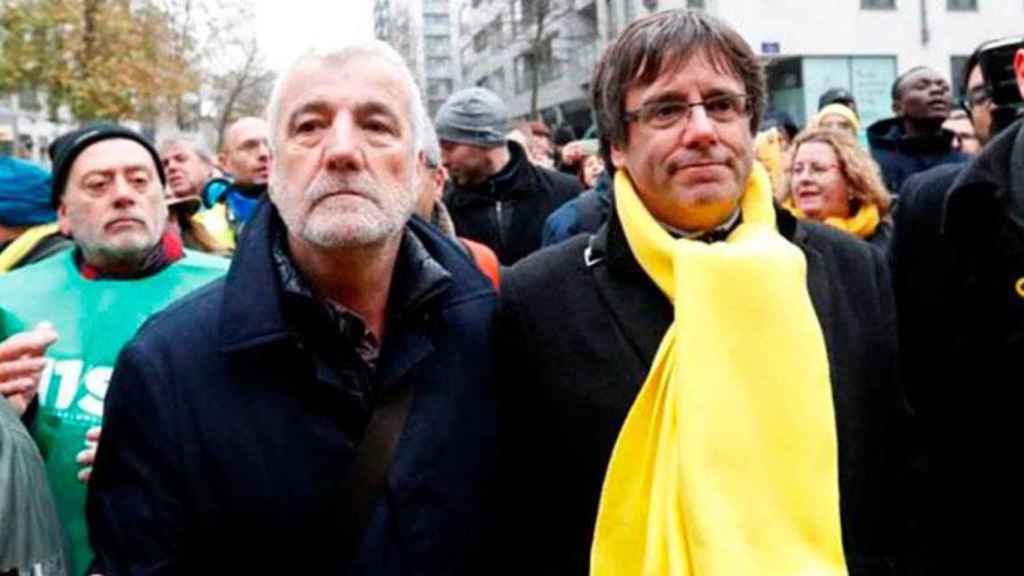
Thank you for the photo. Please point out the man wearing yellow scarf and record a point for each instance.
(704, 387)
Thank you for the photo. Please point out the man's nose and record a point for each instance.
(343, 146)
(700, 130)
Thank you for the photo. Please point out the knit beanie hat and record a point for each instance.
(837, 110)
(67, 147)
(474, 116)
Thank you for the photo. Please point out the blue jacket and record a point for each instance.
(583, 214)
(224, 449)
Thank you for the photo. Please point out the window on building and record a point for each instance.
(878, 4)
(964, 5)
(695, 4)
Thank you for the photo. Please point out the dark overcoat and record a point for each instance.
(580, 323)
(225, 449)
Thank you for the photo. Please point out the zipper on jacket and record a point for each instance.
(501, 224)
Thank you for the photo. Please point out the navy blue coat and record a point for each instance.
(224, 450)
(900, 157)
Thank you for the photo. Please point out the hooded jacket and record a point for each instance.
(507, 211)
(900, 157)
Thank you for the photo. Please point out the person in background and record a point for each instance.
(82, 305)
(965, 139)
(245, 157)
(836, 117)
(495, 195)
(28, 228)
(831, 179)
(913, 140)
(837, 95)
(431, 180)
(189, 168)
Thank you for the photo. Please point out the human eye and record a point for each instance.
(724, 107)
(95, 185)
(380, 124)
(665, 113)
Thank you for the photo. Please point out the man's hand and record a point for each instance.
(21, 363)
(86, 457)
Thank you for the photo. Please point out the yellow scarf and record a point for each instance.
(862, 224)
(23, 244)
(727, 462)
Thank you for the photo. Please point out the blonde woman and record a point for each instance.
(830, 178)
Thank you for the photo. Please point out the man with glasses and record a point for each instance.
(705, 381)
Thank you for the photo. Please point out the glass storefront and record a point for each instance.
(794, 84)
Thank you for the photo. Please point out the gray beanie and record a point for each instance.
(474, 116)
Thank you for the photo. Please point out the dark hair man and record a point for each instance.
(495, 195)
(705, 381)
(958, 265)
(913, 140)
(333, 411)
(108, 189)
(977, 97)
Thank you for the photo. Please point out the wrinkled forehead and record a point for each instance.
(113, 155)
(349, 81)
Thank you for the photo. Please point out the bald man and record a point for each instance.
(245, 156)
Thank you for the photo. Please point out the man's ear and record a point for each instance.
(1018, 70)
(62, 219)
(618, 156)
(897, 108)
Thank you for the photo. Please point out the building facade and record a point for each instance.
(25, 114)
(423, 32)
(808, 45)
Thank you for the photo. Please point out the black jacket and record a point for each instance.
(224, 448)
(580, 323)
(900, 157)
(507, 212)
(958, 261)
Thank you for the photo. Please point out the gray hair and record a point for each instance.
(376, 48)
(191, 142)
(431, 146)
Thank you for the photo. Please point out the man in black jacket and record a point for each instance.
(958, 266)
(332, 412)
(913, 140)
(581, 323)
(495, 195)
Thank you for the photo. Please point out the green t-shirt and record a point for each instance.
(93, 319)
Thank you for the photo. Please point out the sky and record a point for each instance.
(289, 28)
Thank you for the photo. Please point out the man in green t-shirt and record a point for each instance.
(79, 308)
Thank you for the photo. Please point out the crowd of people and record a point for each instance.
(360, 340)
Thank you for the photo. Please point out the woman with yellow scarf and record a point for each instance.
(831, 179)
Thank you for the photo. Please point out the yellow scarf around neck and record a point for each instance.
(727, 463)
(862, 224)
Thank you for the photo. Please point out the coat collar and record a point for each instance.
(254, 309)
(513, 181)
(982, 186)
(642, 311)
